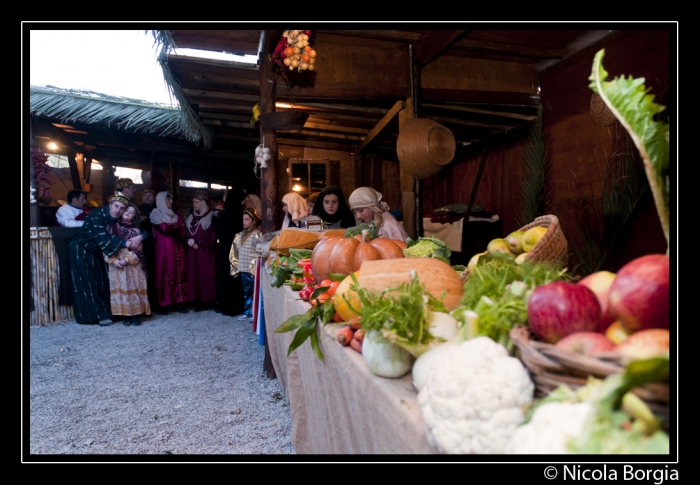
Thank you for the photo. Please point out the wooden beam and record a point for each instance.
(434, 44)
(478, 124)
(483, 97)
(503, 114)
(316, 144)
(382, 126)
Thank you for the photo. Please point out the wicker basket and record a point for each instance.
(552, 247)
(424, 146)
(550, 367)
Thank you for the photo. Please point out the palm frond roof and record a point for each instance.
(190, 119)
(92, 108)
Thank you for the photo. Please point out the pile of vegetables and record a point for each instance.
(603, 417)
(283, 266)
(497, 291)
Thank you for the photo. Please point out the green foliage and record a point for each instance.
(629, 101)
(282, 271)
(601, 220)
(399, 314)
(306, 325)
(372, 232)
(497, 291)
(533, 189)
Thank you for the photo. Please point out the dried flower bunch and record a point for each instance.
(294, 51)
(41, 169)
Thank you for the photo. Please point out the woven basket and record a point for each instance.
(424, 146)
(550, 367)
(552, 247)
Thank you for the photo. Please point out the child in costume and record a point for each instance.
(242, 258)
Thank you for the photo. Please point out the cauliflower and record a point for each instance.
(473, 398)
(549, 429)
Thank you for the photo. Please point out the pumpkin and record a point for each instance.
(437, 277)
(345, 255)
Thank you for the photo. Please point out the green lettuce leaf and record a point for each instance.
(628, 99)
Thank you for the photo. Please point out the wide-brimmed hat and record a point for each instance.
(600, 112)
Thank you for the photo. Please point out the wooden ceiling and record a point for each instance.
(363, 78)
(350, 108)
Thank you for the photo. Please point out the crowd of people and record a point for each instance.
(129, 260)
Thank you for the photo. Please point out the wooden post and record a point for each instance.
(268, 87)
(108, 179)
(415, 98)
(34, 214)
(75, 163)
(268, 181)
(408, 183)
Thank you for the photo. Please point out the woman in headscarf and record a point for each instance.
(128, 287)
(367, 205)
(170, 262)
(201, 254)
(294, 208)
(242, 256)
(332, 208)
(252, 201)
(229, 293)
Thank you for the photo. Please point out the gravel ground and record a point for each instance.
(180, 384)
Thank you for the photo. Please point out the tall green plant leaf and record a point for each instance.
(533, 190)
(628, 100)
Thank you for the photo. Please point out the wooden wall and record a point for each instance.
(577, 145)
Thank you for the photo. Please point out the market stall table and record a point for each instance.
(339, 407)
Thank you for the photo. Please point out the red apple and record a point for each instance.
(617, 332)
(600, 282)
(640, 294)
(559, 308)
(585, 343)
(644, 344)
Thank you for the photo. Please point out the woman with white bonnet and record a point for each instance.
(294, 208)
(367, 205)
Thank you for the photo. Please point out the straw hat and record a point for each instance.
(600, 112)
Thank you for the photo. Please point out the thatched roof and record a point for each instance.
(89, 107)
(190, 119)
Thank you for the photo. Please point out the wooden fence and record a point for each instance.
(45, 280)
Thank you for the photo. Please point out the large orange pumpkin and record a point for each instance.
(345, 255)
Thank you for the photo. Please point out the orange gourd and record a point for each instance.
(345, 255)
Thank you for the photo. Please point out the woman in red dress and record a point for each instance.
(201, 254)
(170, 259)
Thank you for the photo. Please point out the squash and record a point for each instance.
(437, 277)
(344, 297)
(347, 254)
